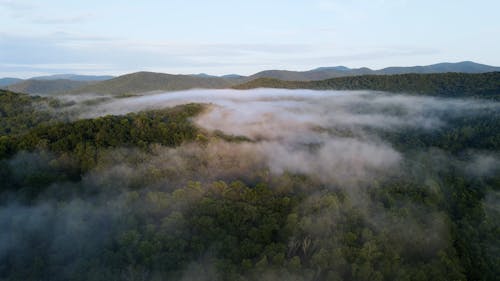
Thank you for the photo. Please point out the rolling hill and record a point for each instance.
(74, 77)
(310, 75)
(323, 73)
(4, 82)
(141, 82)
(485, 85)
(46, 87)
(52, 84)
(463, 67)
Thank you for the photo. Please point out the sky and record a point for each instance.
(241, 36)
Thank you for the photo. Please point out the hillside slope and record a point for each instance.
(46, 87)
(141, 82)
(323, 73)
(485, 85)
(75, 77)
(4, 82)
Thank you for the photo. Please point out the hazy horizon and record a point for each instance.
(219, 37)
(223, 74)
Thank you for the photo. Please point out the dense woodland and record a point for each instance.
(484, 85)
(19, 112)
(433, 221)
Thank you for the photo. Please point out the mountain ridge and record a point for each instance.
(46, 87)
(50, 84)
(144, 81)
(74, 77)
(483, 85)
(6, 81)
(322, 73)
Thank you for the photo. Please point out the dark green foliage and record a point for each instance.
(322, 73)
(168, 127)
(479, 130)
(246, 231)
(19, 113)
(485, 85)
(431, 222)
(76, 146)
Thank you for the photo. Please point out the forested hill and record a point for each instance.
(141, 82)
(485, 85)
(322, 73)
(21, 112)
(46, 87)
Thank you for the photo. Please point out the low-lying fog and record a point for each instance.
(328, 134)
(337, 139)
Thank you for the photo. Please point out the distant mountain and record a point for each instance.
(464, 67)
(74, 77)
(52, 84)
(9, 81)
(232, 76)
(330, 68)
(322, 73)
(203, 75)
(227, 76)
(141, 82)
(310, 75)
(287, 75)
(46, 87)
(484, 85)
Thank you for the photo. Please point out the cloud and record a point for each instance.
(483, 165)
(63, 20)
(30, 12)
(16, 5)
(129, 55)
(325, 134)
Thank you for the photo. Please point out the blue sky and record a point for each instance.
(222, 36)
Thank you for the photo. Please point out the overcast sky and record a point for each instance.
(223, 36)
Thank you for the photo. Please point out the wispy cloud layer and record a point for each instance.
(326, 134)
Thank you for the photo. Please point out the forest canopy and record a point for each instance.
(265, 184)
(483, 85)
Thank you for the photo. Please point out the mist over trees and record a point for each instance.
(266, 184)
